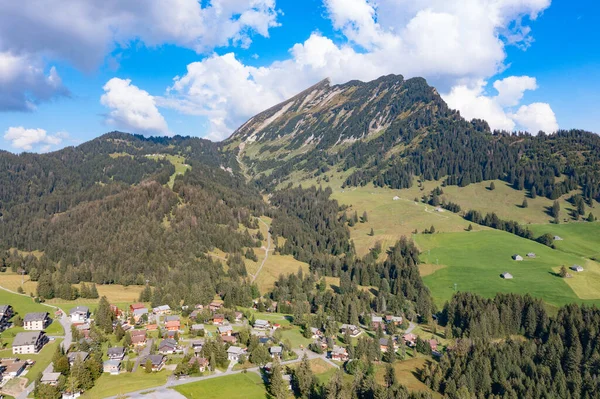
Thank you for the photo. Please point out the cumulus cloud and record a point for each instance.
(131, 108)
(456, 45)
(24, 83)
(497, 109)
(28, 139)
(85, 31)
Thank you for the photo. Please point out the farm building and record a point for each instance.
(576, 268)
(531, 255)
(506, 276)
(396, 198)
(558, 238)
(517, 257)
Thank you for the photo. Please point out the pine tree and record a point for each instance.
(335, 386)
(591, 217)
(372, 232)
(304, 378)
(94, 292)
(524, 204)
(555, 210)
(563, 271)
(365, 217)
(470, 228)
(492, 186)
(104, 317)
(277, 386)
(148, 366)
(390, 375)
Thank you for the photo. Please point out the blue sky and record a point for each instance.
(169, 67)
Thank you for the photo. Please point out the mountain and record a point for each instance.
(391, 131)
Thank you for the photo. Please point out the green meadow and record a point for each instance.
(581, 238)
(237, 386)
(474, 261)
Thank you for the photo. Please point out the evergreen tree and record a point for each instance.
(277, 386)
(365, 217)
(390, 375)
(591, 217)
(492, 186)
(303, 378)
(524, 204)
(94, 292)
(563, 271)
(104, 317)
(372, 232)
(555, 210)
(148, 366)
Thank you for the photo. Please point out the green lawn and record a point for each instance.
(475, 260)
(23, 305)
(42, 359)
(578, 238)
(294, 334)
(237, 386)
(111, 385)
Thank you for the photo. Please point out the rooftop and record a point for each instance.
(27, 338)
(37, 316)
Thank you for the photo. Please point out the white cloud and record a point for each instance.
(27, 139)
(132, 108)
(84, 32)
(455, 45)
(497, 110)
(24, 83)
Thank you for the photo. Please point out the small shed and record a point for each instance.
(396, 198)
(531, 255)
(506, 276)
(558, 238)
(576, 268)
(517, 257)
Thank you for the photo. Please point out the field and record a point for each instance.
(582, 238)
(320, 368)
(178, 161)
(406, 374)
(23, 305)
(111, 385)
(42, 359)
(475, 260)
(237, 386)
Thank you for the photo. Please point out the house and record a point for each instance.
(261, 324)
(197, 346)
(339, 353)
(138, 313)
(158, 361)
(376, 321)
(218, 319)
(79, 314)
(531, 255)
(112, 366)
(136, 306)
(316, 333)
(276, 326)
(138, 337)
(518, 258)
(273, 307)
(558, 238)
(397, 320)
(224, 331)
(6, 312)
(354, 331)
(152, 327)
(576, 268)
(384, 344)
(197, 327)
(202, 363)
(116, 353)
(229, 339)
(433, 344)
(172, 318)
(13, 369)
(74, 356)
(173, 325)
(50, 379)
(36, 321)
(194, 314)
(234, 353)
(163, 309)
(167, 347)
(506, 276)
(410, 339)
(115, 310)
(29, 342)
(214, 306)
(276, 352)
(239, 316)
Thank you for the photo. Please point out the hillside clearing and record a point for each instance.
(237, 386)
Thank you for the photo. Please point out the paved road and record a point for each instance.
(144, 352)
(266, 250)
(411, 327)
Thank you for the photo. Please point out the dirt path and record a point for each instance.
(267, 249)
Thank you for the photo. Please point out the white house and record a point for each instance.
(506, 276)
(79, 314)
(29, 342)
(234, 353)
(36, 321)
(576, 268)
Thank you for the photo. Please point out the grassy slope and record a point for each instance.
(578, 238)
(406, 374)
(237, 386)
(474, 261)
(110, 385)
(23, 305)
(178, 161)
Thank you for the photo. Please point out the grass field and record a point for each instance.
(23, 305)
(320, 368)
(111, 385)
(178, 161)
(237, 386)
(406, 373)
(578, 238)
(42, 359)
(475, 260)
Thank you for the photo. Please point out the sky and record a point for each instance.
(69, 73)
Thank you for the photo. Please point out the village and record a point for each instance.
(187, 343)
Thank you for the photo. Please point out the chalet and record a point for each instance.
(172, 318)
(138, 337)
(433, 344)
(376, 321)
(531, 255)
(385, 343)
(161, 310)
(518, 258)
(112, 366)
(197, 327)
(316, 333)
(339, 353)
(13, 369)
(138, 313)
(261, 324)
(229, 339)
(50, 379)
(173, 325)
(506, 276)
(410, 339)
(116, 353)
(576, 268)
(167, 347)
(234, 353)
(214, 306)
(239, 316)
(79, 314)
(397, 320)
(558, 238)
(194, 314)
(6, 312)
(197, 346)
(29, 342)
(202, 363)
(224, 331)
(136, 306)
(152, 327)
(158, 361)
(353, 330)
(276, 352)
(36, 321)
(218, 319)
(74, 356)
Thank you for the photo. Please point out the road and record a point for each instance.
(411, 327)
(266, 250)
(143, 353)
